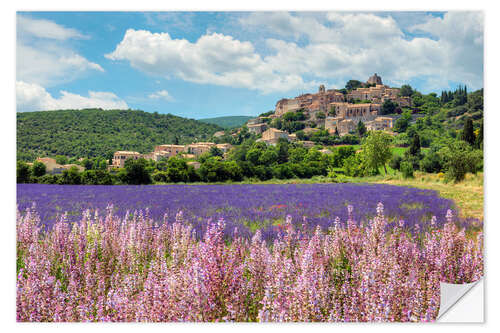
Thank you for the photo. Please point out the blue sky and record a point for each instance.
(201, 65)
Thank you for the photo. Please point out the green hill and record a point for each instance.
(97, 132)
(227, 122)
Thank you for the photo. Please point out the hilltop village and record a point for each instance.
(337, 111)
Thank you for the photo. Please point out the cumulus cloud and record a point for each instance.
(33, 97)
(301, 50)
(354, 45)
(43, 55)
(213, 59)
(161, 94)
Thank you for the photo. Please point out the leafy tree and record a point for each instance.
(269, 156)
(96, 177)
(297, 154)
(233, 170)
(459, 158)
(353, 166)
(39, 169)
(406, 90)
(214, 151)
(361, 129)
(71, 176)
(468, 132)
(23, 172)
(276, 123)
(136, 172)
(177, 170)
(388, 107)
(402, 123)
(407, 169)
(60, 159)
(432, 162)
(253, 155)
(283, 151)
(353, 84)
(395, 162)
(377, 150)
(321, 115)
(340, 154)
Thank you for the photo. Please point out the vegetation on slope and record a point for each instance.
(95, 132)
(227, 122)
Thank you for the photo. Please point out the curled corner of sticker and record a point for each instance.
(451, 294)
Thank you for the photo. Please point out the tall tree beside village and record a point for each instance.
(361, 129)
(415, 145)
(468, 132)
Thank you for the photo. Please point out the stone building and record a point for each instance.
(199, 148)
(272, 135)
(379, 94)
(341, 125)
(309, 102)
(257, 128)
(120, 157)
(374, 79)
(364, 111)
(379, 124)
(224, 147)
(170, 150)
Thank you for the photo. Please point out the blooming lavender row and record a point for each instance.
(105, 268)
(247, 207)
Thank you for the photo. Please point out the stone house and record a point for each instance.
(379, 124)
(272, 135)
(342, 125)
(257, 128)
(224, 147)
(199, 148)
(120, 157)
(364, 111)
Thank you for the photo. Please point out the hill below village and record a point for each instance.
(227, 122)
(97, 132)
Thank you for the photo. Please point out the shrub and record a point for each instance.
(431, 162)
(395, 162)
(407, 170)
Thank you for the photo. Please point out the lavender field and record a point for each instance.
(245, 207)
(316, 252)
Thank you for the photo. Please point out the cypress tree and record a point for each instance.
(415, 146)
(361, 128)
(468, 132)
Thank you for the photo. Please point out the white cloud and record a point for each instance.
(354, 45)
(45, 29)
(43, 55)
(212, 59)
(33, 97)
(162, 94)
(305, 49)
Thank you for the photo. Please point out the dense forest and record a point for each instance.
(227, 122)
(97, 132)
